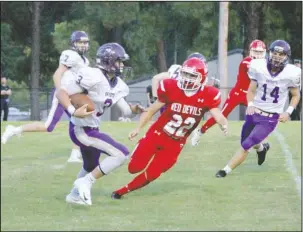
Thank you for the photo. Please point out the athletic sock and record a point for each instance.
(227, 169)
(90, 178)
(138, 182)
(261, 147)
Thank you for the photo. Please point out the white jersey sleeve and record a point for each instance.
(123, 89)
(69, 84)
(295, 78)
(174, 71)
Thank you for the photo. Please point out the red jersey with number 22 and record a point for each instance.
(183, 114)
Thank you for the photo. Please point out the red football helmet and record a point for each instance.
(193, 74)
(257, 49)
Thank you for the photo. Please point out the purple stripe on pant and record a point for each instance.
(256, 128)
(55, 113)
(91, 154)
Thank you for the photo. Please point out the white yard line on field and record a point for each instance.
(289, 161)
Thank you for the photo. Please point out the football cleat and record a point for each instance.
(74, 199)
(75, 157)
(220, 174)
(9, 132)
(196, 137)
(262, 154)
(116, 196)
(84, 188)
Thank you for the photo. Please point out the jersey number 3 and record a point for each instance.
(173, 127)
(274, 93)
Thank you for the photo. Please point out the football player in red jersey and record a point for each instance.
(186, 101)
(237, 95)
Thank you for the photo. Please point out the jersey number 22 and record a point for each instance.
(174, 127)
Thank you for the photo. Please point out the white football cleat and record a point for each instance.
(9, 132)
(75, 156)
(84, 187)
(74, 198)
(196, 137)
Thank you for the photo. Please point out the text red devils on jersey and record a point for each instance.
(183, 113)
(243, 80)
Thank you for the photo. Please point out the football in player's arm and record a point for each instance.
(186, 100)
(271, 79)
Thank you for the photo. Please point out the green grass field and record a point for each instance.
(35, 178)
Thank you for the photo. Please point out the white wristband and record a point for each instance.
(71, 109)
(290, 109)
(250, 104)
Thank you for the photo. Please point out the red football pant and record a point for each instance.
(235, 97)
(156, 153)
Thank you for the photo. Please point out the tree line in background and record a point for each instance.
(154, 34)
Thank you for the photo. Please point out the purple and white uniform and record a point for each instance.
(84, 132)
(271, 96)
(74, 62)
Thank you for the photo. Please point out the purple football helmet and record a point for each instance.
(79, 41)
(279, 54)
(197, 55)
(110, 57)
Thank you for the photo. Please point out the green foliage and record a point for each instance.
(13, 54)
(184, 27)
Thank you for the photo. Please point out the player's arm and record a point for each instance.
(58, 75)
(156, 80)
(220, 119)
(295, 99)
(217, 113)
(129, 110)
(251, 92)
(146, 117)
(70, 87)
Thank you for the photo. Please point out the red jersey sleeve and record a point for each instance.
(163, 91)
(214, 98)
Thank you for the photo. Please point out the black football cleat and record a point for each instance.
(116, 196)
(220, 174)
(262, 154)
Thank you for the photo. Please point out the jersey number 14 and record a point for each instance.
(274, 93)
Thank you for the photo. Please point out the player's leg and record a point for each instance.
(143, 153)
(255, 129)
(117, 155)
(91, 157)
(54, 116)
(162, 161)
